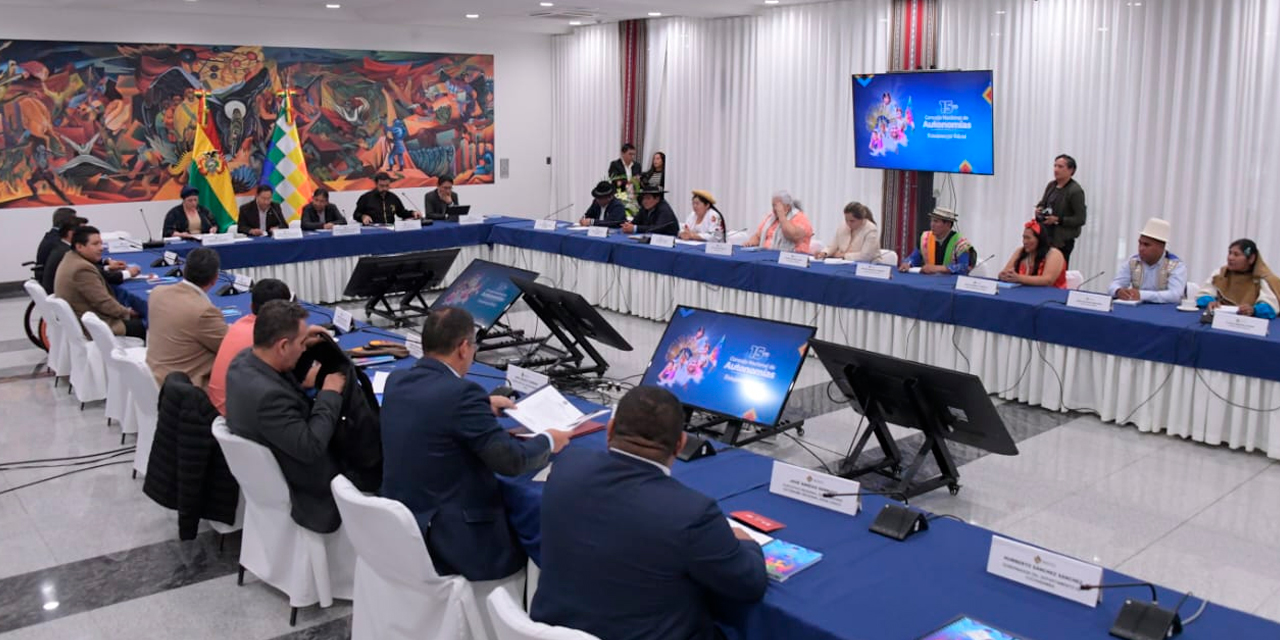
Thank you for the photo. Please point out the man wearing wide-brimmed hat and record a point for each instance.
(1152, 274)
(605, 210)
(655, 215)
(942, 249)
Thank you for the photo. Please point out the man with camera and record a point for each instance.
(1061, 210)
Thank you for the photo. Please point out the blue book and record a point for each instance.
(783, 559)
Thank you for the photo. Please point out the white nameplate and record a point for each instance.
(215, 239)
(287, 233)
(346, 229)
(342, 320)
(469, 219)
(598, 232)
(243, 282)
(525, 381)
(719, 248)
(1090, 301)
(659, 240)
(1044, 570)
(414, 344)
(874, 271)
(977, 285)
(792, 259)
(412, 224)
(121, 246)
(1247, 325)
(171, 258)
(808, 486)
(544, 225)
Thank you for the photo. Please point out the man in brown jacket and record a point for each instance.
(185, 328)
(80, 282)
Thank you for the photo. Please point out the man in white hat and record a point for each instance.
(942, 250)
(1152, 274)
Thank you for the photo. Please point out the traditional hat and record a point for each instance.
(187, 192)
(1157, 229)
(705, 195)
(603, 190)
(651, 191)
(942, 213)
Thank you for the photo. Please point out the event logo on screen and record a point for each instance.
(924, 121)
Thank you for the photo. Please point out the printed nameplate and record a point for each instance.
(544, 225)
(412, 224)
(808, 486)
(792, 259)
(977, 285)
(121, 246)
(287, 233)
(524, 380)
(598, 232)
(414, 344)
(1091, 301)
(346, 229)
(658, 240)
(243, 282)
(171, 258)
(1044, 570)
(875, 271)
(719, 248)
(343, 321)
(1247, 325)
(465, 220)
(215, 239)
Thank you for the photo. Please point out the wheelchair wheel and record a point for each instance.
(35, 327)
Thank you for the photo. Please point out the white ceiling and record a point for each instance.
(500, 15)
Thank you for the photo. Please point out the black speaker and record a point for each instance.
(1140, 620)
(898, 522)
(695, 448)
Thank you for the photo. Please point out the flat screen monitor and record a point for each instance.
(572, 311)
(732, 365)
(924, 121)
(485, 290)
(966, 628)
(399, 273)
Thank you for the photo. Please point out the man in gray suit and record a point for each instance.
(266, 404)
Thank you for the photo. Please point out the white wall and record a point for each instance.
(522, 102)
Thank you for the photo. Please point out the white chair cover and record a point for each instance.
(144, 399)
(88, 373)
(1074, 279)
(887, 257)
(737, 237)
(816, 246)
(105, 342)
(513, 623)
(59, 359)
(308, 567)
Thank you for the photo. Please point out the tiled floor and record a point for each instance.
(1178, 513)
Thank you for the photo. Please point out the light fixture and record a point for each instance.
(771, 1)
(50, 606)
(575, 23)
(655, 14)
(472, 16)
(333, 5)
(546, 4)
(1001, 12)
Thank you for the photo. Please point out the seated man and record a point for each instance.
(942, 250)
(629, 552)
(260, 215)
(58, 251)
(240, 337)
(442, 445)
(266, 404)
(51, 239)
(380, 206)
(80, 282)
(655, 215)
(319, 214)
(1153, 274)
(606, 210)
(437, 202)
(784, 228)
(185, 329)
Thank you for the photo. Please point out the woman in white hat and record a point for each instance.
(705, 222)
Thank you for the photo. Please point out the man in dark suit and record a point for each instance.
(437, 202)
(52, 238)
(266, 404)
(629, 553)
(655, 215)
(605, 210)
(442, 446)
(380, 206)
(59, 250)
(622, 170)
(260, 215)
(319, 214)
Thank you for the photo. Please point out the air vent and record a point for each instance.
(565, 14)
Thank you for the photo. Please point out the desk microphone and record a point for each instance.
(151, 242)
(981, 262)
(1095, 277)
(1139, 620)
(889, 494)
(556, 214)
(425, 220)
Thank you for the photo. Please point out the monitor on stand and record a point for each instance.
(737, 368)
(944, 405)
(574, 323)
(406, 275)
(486, 291)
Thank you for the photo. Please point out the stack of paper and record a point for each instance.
(546, 409)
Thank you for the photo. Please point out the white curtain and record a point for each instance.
(1165, 105)
(586, 114)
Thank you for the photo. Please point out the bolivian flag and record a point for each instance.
(209, 173)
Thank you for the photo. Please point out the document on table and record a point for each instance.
(759, 538)
(547, 409)
(691, 243)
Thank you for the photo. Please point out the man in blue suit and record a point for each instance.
(442, 445)
(629, 553)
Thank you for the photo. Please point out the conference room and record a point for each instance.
(865, 319)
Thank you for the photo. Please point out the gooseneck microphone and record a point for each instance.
(151, 242)
(1091, 279)
(556, 214)
(981, 262)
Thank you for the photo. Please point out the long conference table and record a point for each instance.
(1149, 365)
(867, 587)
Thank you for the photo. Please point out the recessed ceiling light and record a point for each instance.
(575, 23)
(546, 4)
(472, 16)
(50, 606)
(1001, 12)
(771, 1)
(333, 5)
(655, 14)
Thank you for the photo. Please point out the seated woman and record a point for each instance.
(858, 240)
(705, 222)
(784, 228)
(655, 177)
(1036, 264)
(1246, 282)
(189, 218)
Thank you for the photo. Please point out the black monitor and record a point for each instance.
(572, 320)
(404, 274)
(941, 403)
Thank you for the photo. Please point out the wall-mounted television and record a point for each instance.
(939, 121)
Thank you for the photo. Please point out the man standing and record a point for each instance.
(240, 337)
(1153, 274)
(436, 203)
(622, 170)
(942, 250)
(266, 404)
(442, 446)
(380, 206)
(605, 210)
(655, 215)
(260, 215)
(319, 214)
(185, 328)
(1061, 209)
(628, 552)
(80, 282)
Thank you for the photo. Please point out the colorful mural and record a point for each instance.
(90, 123)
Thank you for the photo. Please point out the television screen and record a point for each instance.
(485, 290)
(924, 121)
(728, 364)
(966, 628)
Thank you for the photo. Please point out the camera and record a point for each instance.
(1043, 213)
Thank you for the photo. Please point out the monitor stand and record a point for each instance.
(406, 312)
(502, 336)
(732, 431)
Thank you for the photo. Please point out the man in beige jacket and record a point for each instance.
(185, 329)
(80, 282)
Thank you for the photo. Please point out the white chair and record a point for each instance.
(88, 373)
(105, 342)
(1193, 290)
(887, 257)
(1074, 279)
(816, 246)
(399, 595)
(144, 403)
(737, 237)
(513, 623)
(309, 567)
(59, 360)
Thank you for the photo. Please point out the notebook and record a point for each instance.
(783, 560)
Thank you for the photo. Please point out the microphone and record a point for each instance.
(424, 219)
(151, 242)
(1095, 277)
(1139, 620)
(859, 494)
(1123, 585)
(556, 214)
(981, 262)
